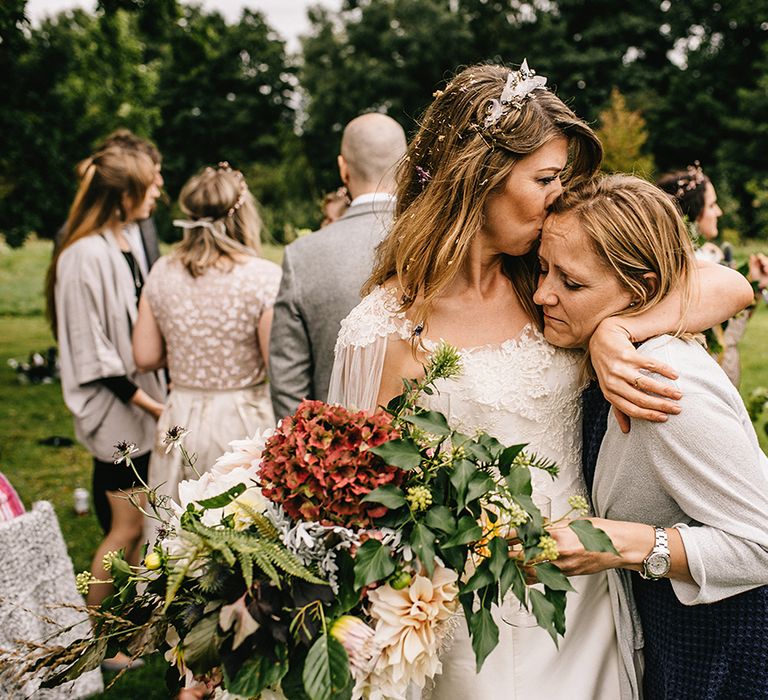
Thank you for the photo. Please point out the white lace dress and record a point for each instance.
(219, 390)
(523, 390)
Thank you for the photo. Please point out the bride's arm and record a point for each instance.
(719, 293)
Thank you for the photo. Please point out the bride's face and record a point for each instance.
(576, 288)
(514, 217)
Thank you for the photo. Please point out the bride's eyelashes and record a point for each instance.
(547, 180)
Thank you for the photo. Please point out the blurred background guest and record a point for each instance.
(334, 205)
(697, 199)
(206, 315)
(310, 306)
(93, 286)
(142, 233)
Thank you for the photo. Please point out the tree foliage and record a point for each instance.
(623, 133)
(696, 72)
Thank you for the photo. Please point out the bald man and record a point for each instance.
(324, 271)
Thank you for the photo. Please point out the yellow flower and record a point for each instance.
(153, 561)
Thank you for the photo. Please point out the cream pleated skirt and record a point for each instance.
(213, 419)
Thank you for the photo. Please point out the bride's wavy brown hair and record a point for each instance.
(452, 166)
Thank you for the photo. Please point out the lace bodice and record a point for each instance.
(522, 390)
(209, 322)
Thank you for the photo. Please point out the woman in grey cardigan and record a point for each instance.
(92, 290)
(685, 501)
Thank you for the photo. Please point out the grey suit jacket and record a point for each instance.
(322, 276)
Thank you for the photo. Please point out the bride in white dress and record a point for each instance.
(493, 152)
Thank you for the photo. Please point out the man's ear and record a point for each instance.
(343, 169)
(651, 281)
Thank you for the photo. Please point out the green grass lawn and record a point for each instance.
(29, 413)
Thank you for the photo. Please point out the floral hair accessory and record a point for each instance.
(694, 176)
(518, 88)
(224, 166)
(423, 175)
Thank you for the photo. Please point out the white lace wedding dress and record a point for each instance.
(523, 390)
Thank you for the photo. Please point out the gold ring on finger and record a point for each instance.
(636, 383)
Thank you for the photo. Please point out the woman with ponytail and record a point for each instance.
(206, 315)
(92, 288)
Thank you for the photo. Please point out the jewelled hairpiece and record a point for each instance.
(694, 176)
(224, 166)
(518, 88)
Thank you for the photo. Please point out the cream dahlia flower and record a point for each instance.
(408, 631)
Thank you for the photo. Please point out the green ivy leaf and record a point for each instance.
(491, 444)
(326, 669)
(423, 546)
(507, 457)
(200, 645)
(388, 495)
(519, 481)
(552, 577)
(256, 674)
(223, 499)
(441, 519)
(478, 486)
(467, 530)
(558, 600)
(512, 577)
(480, 579)
(544, 611)
(373, 562)
(478, 452)
(499, 549)
(593, 538)
(403, 453)
(461, 474)
(430, 422)
(485, 635)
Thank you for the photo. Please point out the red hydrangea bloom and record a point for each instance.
(317, 465)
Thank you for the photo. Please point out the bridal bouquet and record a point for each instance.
(331, 558)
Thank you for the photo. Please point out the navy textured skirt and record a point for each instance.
(703, 652)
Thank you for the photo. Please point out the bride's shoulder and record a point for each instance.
(378, 315)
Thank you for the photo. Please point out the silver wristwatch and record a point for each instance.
(657, 564)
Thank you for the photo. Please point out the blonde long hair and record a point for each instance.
(452, 166)
(109, 177)
(635, 228)
(218, 198)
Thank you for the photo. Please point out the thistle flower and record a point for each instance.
(579, 503)
(83, 581)
(173, 437)
(123, 450)
(418, 497)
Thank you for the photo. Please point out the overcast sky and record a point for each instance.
(287, 17)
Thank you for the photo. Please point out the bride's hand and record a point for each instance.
(618, 368)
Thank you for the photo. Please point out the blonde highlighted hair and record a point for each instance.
(110, 179)
(635, 228)
(218, 196)
(452, 166)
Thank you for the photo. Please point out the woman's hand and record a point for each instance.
(619, 370)
(145, 402)
(758, 270)
(633, 541)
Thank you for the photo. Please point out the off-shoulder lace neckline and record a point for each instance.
(527, 332)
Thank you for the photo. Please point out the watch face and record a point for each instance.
(658, 564)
